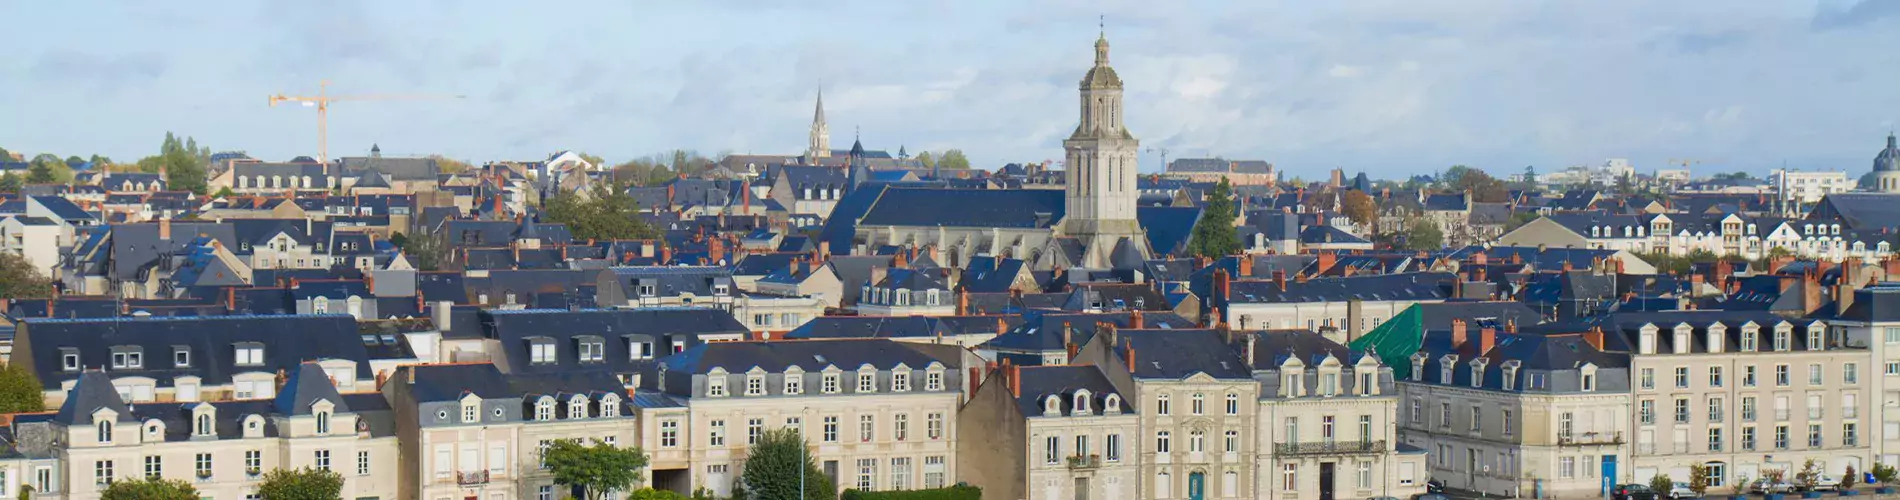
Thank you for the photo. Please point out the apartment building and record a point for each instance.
(1870, 318)
(222, 448)
(877, 414)
(1518, 413)
(1326, 421)
(1051, 432)
(1743, 393)
(1191, 387)
(470, 431)
(1317, 303)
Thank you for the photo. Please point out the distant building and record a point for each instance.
(1239, 172)
(1799, 190)
(1886, 175)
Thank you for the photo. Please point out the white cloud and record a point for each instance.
(1345, 71)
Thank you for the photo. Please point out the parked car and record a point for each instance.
(1633, 492)
(1765, 485)
(1826, 482)
(1434, 486)
(1430, 496)
(1680, 490)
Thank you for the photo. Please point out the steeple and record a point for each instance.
(819, 144)
(1101, 169)
(860, 171)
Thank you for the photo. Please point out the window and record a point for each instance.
(1052, 450)
(154, 466)
(1567, 468)
(253, 462)
(323, 459)
(900, 381)
(1444, 415)
(900, 426)
(1715, 439)
(1781, 340)
(1781, 375)
(577, 407)
(1748, 376)
(1682, 410)
(900, 473)
(867, 382)
(1648, 378)
(69, 361)
(1161, 405)
(1365, 475)
(755, 385)
(1198, 404)
(545, 492)
(362, 463)
(639, 350)
(1682, 377)
(1477, 419)
(829, 384)
(753, 429)
(1850, 434)
(933, 380)
(1850, 373)
(1230, 442)
(1815, 376)
(544, 410)
(102, 472)
(1292, 429)
(1781, 437)
(867, 428)
(1715, 376)
(1197, 441)
(1164, 442)
(1814, 435)
(716, 384)
(1646, 411)
(1112, 447)
(669, 434)
(1748, 408)
(249, 354)
(541, 352)
(1748, 439)
(867, 474)
(1715, 409)
(716, 433)
(1289, 477)
(933, 426)
(831, 429)
(933, 472)
(201, 465)
(1509, 424)
(104, 428)
(202, 426)
(1566, 422)
(127, 358)
(1233, 404)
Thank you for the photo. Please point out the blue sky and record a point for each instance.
(1391, 87)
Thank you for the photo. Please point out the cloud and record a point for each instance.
(63, 67)
(1831, 15)
(1344, 71)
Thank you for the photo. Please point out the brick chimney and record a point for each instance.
(1222, 284)
(1128, 354)
(1326, 262)
(1594, 337)
(1487, 338)
(1457, 332)
(165, 229)
(1479, 259)
(1134, 320)
(963, 302)
(1279, 279)
(1246, 265)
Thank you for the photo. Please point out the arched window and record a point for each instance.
(1112, 404)
(1052, 406)
(609, 406)
(577, 408)
(105, 430)
(544, 409)
(323, 422)
(204, 425)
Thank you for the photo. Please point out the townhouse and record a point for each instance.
(1326, 421)
(1051, 432)
(1870, 318)
(1190, 387)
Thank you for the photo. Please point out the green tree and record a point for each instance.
(6, 155)
(1214, 235)
(398, 239)
(1661, 483)
(1418, 234)
(45, 168)
(1734, 176)
(1884, 473)
(301, 484)
(597, 469)
(449, 165)
(926, 159)
(1359, 207)
(596, 160)
(775, 465)
(99, 161)
(425, 251)
(608, 214)
(1698, 479)
(20, 280)
(1530, 174)
(10, 183)
(1482, 186)
(226, 192)
(1809, 474)
(653, 494)
(953, 159)
(149, 489)
(20, 390)
(183, 163)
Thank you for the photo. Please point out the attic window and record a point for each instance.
(181, 356)
(592, 349)
(69, 359)
(249, 354)
(128, 357)
(541, 351)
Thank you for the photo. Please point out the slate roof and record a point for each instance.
(1405, 286)
(1039, 382)
(1179, 354)
(1221, 165)
(288, 340)
(449, 382)
(1027, 208)
(1320, 235)
(661, 325)
(1623, 329)
(1859, 211)
(1541, 353)
(1043, 331)
(1168, 228)
(809, 355)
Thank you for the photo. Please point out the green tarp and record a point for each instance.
(1395, 341)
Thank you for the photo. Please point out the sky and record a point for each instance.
(1390, 87)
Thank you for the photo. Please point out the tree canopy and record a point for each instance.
(953, 159)
(608, 214)
(449, 165)
(1418, 234)
(596, 469)
(1214, 235)
(149, 489)
(1483, 187)
(20, 280)
(301, 484)
(1359, 207)
(183, 162)
(774, 466)
(20, 390)
(424, 250)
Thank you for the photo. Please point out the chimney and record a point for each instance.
(963, 302)
(716, 251)
(1128, 355)
(165, 229)
(1326, 262)
(1619, 265)
(1279, 279)
(1068, 338)
(1457, 332)
(669, 194)
(1479, 259)
(1222, 285)
(824, 250)
(899, 261)
(440, 315)
(1487, 338)
(1001, 326)
(1134, 320)
(1810, 293)
(1843, 297)
(1248, 345)
(666, 255)
(1355, 319)
(1594, 337)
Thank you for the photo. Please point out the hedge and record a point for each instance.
(958, 492)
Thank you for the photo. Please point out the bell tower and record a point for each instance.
(1101, 192)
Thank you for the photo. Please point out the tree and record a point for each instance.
(1519, 219)
(425, 251)
(20, 390)
(10, 183)
(596, 160)
(20, 280)
(1214, 235)
(1885, 474)
(609, 214)
(926, 159)
(449, 165)
(149, 489)
(301, 484)
(1740, 486)
(1530, 174)
(1810, 473)
(1698, 479)
(45, 168)
(1661, 484)
(775, 465)
(1359, 207)
(1734, 176)
(1849, 477)
(653, 494)
(597, 469)
(226, 192)
(398, 239)
(1482, 186)
(1418, 234)
(953, 160)
(183, 163)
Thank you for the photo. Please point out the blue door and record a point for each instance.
(1609, 473)
(1197, 486)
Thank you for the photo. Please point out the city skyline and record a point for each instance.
(1388, 87)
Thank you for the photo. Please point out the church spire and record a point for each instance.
(1101, 44)
(819, 144)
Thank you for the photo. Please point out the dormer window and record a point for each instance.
(471, 412)
(933, 380)
(104, 429)
(1589, 375)
(900, 380)
(590, 349)
(323, 423)
(639, 349)
(1112, 405)
(755, 384)
(1052, 406)
(1646, 340)
(1292, 384)
(1682, 339)
(867, 381)
(249, 354)
(320, 305)
(1750, 335)
(716, 384)
(1444, 368)
(577, 407)
(610, 406)
(720, 289)
(1477, 372)
(202, 425)
(794, 381)
(1715, 338)
(1081, 404)
(69, 359)
(1782, 334)
(544, 409)
(181, 356)
(829, 384)
(1510, 374)
(541, 351)
(1816, 334)
(1418, 368)
(128, 358)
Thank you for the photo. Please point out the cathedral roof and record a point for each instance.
(1102, 75)
(1889, 159)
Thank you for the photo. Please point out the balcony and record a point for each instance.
(1079, 462)
(471, 478)
(1590, 439)
(1815, 413)
(1850, 412)
(1646, 448)
(1329, 448)
(1781, 414)
(1715, 417)
(1748, 415)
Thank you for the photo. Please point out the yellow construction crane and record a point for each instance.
(322, 102)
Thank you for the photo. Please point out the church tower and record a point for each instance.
(820, 142)
(1101, 191)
